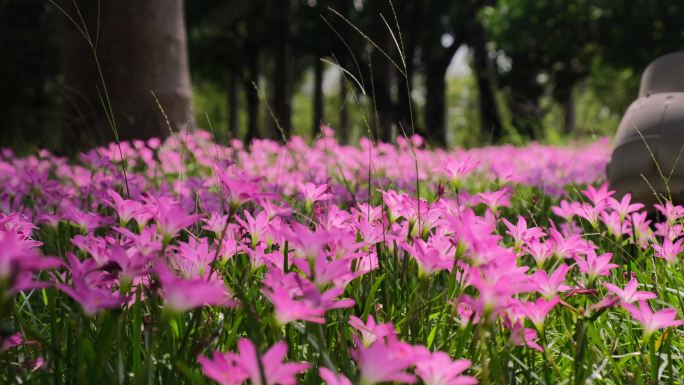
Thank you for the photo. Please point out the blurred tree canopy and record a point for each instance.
(273, 68)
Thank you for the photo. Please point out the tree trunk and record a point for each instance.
(251, 94)
(405, 108)
(141, 47)
(379, 76)
(318, 97)
(233, 106)
(569, 117)
(490, 120)
(380, 87)
(281, 80)
(435, 110)
(343, 123)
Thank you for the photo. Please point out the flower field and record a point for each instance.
(189, 262)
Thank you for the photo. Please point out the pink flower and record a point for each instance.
(233, 369)
(630, 294)
(171, 217)
(126, 209)
(92, 299)
(223, 368)
(550, 285)
(495, 199)
(19, 257)
(520, 233)
(87, 221)
(567, 246)
(669, 251)
(430, 260)
(540, 251)
(439, 369)
(11, 341)
(255, 226)
(616, 226)
(598, 196)
(672, 213)
(496, 287)
(149, 241)
(566, 210)
(370, 331)
(237, 187)
(181, 294)
(333, 378)
(594, 265)
(457, 169)
(274, 370)
(591, 212)
(295, 298)
(624, 207)
(521, 336)
(653, 321)
(313, 193)
(308, 244)
(385, 362)
(538, 310)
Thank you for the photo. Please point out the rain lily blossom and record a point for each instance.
(430, 260)
(183, 294)
(223, 368)
(371, 331)
(439, 369)
(549, 285)
(624, 207)
(333, 378)
(669, 250)
(385, 361)
(234, 369)
(653, 321)
(595, 265)
(274, 370)
(629, 294)
(92, 299)
(538, 310)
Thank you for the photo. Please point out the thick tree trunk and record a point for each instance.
(435, 125)
(343, 122)
(379, 76)
(381, 92)
(251, 94)
(490, 120)
(569, 117)
(318, 97)
(141, 47)
(233, 110)
(405, 108)
(282, 108)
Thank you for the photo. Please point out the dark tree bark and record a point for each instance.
(435, 111)
(343, 122)
(381, 85)
(233, 110)
(490, 120)
(141, 47)
(379, 75)
(251, 93)
(318, 97)
(436, 64)
(569, 115)
(282, 108)
(405, 106)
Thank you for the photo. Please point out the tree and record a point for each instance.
(445, 26)
(129, 65)
(30, 93)
(282, 77)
